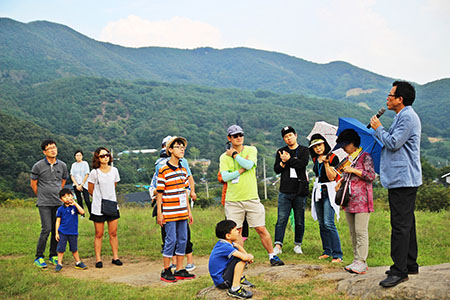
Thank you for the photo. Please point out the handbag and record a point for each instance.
(108, 207)
(303, 188)
(343, 194)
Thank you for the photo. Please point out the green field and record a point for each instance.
(139, 237)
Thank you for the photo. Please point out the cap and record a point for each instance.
(165, 140)
(286, 130)
(340, 145)
(316, 142)
(233, 129)
(173, 140)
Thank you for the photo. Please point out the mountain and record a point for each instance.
(43, 51)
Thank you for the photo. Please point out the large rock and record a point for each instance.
(432, 282)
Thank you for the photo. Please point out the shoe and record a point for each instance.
(359, 267)
(336, 260)
(276, 261)
(58, 268)
(241, 293)
(409, 272)
(245, 282)
(324, 256)
(40, 262)
(117, 262)
(277, 250)
(167, 276)
(173, 266)
(393, 280)
(183, 274)
(99, 265)
(298, 249)
(347, 268)
(190, 267)
(80, 266)
(54, 260)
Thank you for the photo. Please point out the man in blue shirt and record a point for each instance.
(401, 174)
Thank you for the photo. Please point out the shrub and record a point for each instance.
(433, 197)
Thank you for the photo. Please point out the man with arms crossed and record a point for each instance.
(237, 167)
(401, 174)
(48, 177)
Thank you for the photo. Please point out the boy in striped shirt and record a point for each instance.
(173, 209)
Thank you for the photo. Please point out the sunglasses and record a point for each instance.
(235, 136)
(104, 155)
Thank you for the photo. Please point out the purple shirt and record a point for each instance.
(361, 194)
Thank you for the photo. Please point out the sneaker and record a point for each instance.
(277, 250)
(58, 268)
(190, 267)
(298, 249)
(276, 261)
(336, 260)
(183, 274)
(324, 256)
(167, 276)
(173, 266)
(241, 293)
(80, 266)
(40, 262)
(117, 262)
(99, 265)
(54, 260)
(245, 282)
(359, 268)
(348, 268)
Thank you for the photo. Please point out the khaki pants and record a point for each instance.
(359, 230)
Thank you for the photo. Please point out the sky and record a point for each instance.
(404, 39)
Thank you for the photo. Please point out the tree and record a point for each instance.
(194, 152)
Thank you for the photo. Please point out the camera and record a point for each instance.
(228, 145)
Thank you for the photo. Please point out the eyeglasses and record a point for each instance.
(235, 136)
(179, 147)
(104, 155)
(50, 148)
(392, 96)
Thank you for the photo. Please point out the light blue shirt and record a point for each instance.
(400, 157)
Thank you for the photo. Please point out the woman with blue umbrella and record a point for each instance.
(360, 174)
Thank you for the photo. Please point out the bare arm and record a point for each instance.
(190, 217)
(63, 183)
(58, 223)
(159, 217)
(33, 185)
(79, 208)
(90, 188)
(243, 256)
(192, 187)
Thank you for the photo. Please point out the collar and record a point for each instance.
(48, 163)
(174, 167)
(225, 241)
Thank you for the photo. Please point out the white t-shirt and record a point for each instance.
(104, 188)
(79, 170)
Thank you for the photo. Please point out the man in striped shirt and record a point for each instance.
(173, 209)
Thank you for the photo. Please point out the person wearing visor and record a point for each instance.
(323, 206)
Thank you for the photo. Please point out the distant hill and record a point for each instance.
(43, 51)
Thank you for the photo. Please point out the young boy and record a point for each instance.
(67, 228)
(173, 210)
(228, 260)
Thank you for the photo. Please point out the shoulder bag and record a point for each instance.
(108, 207)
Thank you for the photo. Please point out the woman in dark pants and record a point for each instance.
(79, 173)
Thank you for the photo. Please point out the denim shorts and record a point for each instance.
(63, 239)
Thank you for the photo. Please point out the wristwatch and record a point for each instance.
(234, 153)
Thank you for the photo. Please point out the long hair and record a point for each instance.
(96, 158)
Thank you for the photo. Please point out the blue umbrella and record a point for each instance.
(369, 142)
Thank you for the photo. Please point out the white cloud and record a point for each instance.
(178, 32)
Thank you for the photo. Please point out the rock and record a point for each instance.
(432, 282)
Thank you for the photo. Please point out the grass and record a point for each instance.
(139, 236)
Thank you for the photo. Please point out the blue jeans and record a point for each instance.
(328, 232)
(176, 238)
(286, 202)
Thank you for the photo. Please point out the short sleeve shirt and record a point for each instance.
(49, 179)
(69, 219)
(219, 259)
(78, 171)
(104, 188)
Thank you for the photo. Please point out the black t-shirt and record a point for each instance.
(299, 160)
(320, 167)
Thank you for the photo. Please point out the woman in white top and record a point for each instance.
(79, 173)
(102, 185)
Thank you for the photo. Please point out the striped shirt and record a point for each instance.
(172, 183)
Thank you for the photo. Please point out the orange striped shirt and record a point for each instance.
(172, 183)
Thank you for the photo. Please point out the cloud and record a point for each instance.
(178, 32)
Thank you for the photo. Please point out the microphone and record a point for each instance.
(379, 114)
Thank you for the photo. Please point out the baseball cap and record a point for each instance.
(286, 130)
(233, 129)
(165, 140)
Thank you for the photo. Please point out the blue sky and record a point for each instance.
(397, 38)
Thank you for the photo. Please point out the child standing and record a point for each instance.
(227, 261)
(67, 228)
(173, 210)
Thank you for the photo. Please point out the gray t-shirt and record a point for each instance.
(49, 179)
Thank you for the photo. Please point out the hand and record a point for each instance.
(250, 258)
(338, 185)
(348, 169)
(375, 122)
(57, 237)
(242, 170)
(190, 218)
(80, 187)
(193, 195)
(323, 158)
(160, 220)
(72, 203)
(229, 152)
(284, 155)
